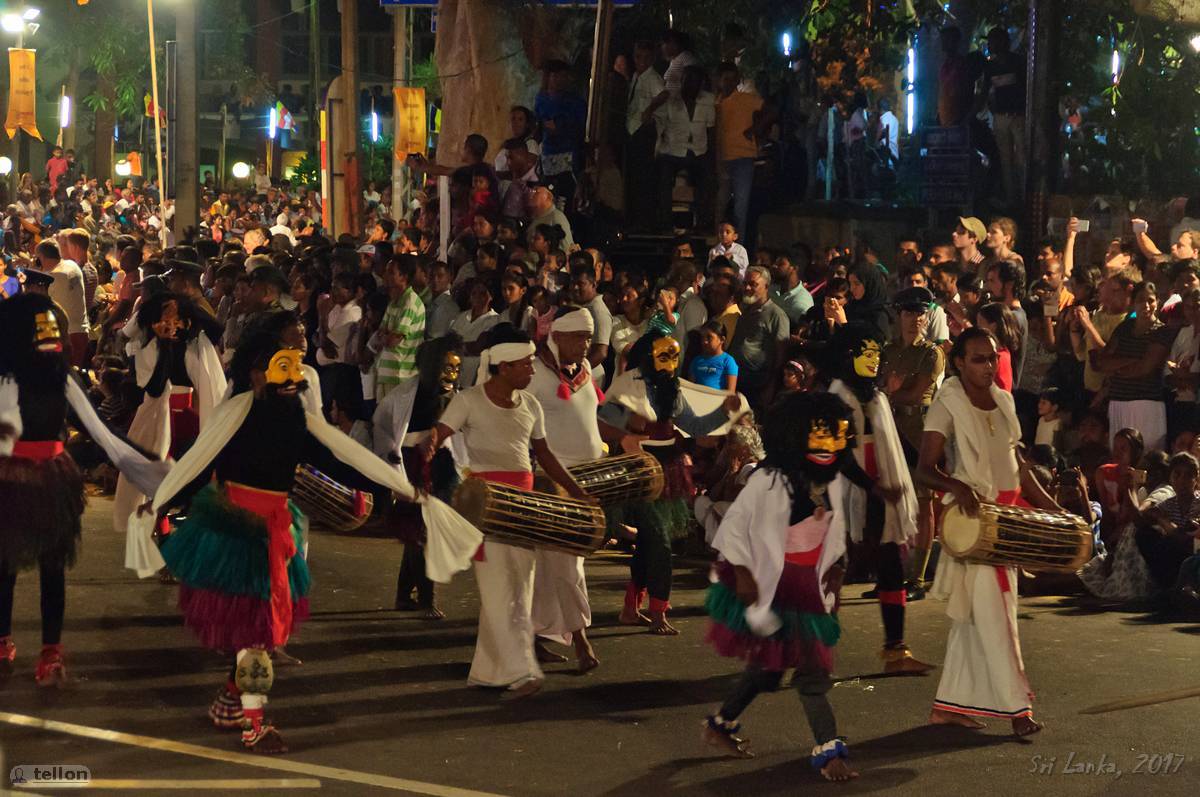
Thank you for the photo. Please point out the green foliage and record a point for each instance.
(376, 159)
(307, 171)
(425, 75)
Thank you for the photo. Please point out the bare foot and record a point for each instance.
(433, 613)
(727, 742)
(584, 653)
(660, 627)
(1025, 726)
(838, 770)
(941, 717)
(282, 658)
(530, 687)
(633, 617)
(545, 655)
(268, 742)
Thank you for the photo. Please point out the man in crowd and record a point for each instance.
(402, 328)
(967, 236)
(645, 85)
(757, 343)
(792, 296)
(542, 210)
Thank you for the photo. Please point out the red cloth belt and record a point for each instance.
(1007, 498)
(181, 401)
(37, 450)
(521, 479)
(281, 547)
(870, 464)
(804, 558)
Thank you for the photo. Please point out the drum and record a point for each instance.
(614, 480)
(329, 504)
(530, 519)
(1018, 536)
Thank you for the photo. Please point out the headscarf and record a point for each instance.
(575, 320)
(871, 309)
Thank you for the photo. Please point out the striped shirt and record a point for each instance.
(405, 317)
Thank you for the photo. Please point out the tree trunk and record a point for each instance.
(106, 120)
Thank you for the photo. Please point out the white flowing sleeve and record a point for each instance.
(753, 535)
(144, 473)
(10, 414)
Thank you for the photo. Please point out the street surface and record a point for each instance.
(381, 705)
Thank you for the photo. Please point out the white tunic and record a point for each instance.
(560, 599)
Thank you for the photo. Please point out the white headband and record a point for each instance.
(501, 353)
(574, 321)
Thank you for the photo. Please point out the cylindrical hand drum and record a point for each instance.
(616, 480)
(529, 519)
(1018, 536)
(329, 504)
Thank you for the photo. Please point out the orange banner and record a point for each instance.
(410, 121)
(22, 99)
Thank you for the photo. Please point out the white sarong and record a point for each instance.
(504, 648)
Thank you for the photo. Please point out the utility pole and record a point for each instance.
(314, 75)
(187, 189)
(346, 140)
(400, 28)
(598, 85)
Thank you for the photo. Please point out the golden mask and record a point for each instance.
(666, 354)
(46, 335)
(866, 364)
(451, 367)
(284, 367)
(825, 443)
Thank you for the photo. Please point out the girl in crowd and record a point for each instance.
(998, 319)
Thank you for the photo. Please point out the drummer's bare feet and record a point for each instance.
(1025, 726)
(530, 687)
(941, 717)
(284, 659)
(584, 653)
(545, 655)
(432, 612)
(838, 770)
(630, 616)
(659, 625)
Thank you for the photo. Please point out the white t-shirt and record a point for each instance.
(680, 132)
(470, 331)
(571, 429)
(342, 320)
(68, 290)
(1184, 347)
(735, 252)
(624, 335)
(602, 324)
(1003, 460)
(888, 119)
(496, 438)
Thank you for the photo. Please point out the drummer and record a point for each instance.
(983, 674)
(501, 422)
(562, 383)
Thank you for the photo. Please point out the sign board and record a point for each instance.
(411, 135)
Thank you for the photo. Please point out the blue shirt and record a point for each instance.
(711, 371)
(569, 113)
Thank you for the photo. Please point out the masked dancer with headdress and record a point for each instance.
(237, 556)
(501, 422)
(774, 597)
(41, 488)
(402, 422)
(562, 384)
(645, 404)
(984, 672)
(177, 365)
(886, 511)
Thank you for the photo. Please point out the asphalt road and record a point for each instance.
(381, 703)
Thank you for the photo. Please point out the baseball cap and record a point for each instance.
(974, 226)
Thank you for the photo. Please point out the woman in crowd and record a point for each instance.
(868, 299)
(998, 319)
(1133, 362)
(630, 324)
(1001, 238)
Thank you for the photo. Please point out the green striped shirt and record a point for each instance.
(404, 317)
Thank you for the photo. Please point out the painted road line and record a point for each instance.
(245, 759)
(225, 784)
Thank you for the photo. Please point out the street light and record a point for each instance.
(5, 166)
(241, 170)
(64, 111)
(1195, 42)
(123, 168)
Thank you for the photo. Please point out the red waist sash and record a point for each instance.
(272, 507)
(37, 450)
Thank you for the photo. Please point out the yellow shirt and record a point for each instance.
(735, 114)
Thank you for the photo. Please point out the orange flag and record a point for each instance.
(22, 99)
(410, 121)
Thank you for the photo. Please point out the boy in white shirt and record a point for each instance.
(728, 246)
